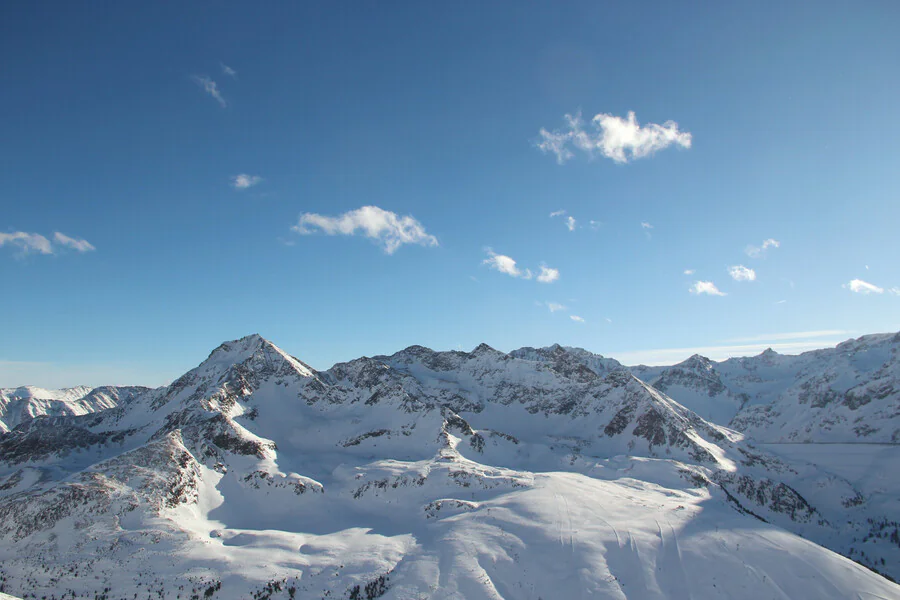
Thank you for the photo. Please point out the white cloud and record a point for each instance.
(863, 287)
(741, 273)
(210, 87)
(35, 242)
(228, 70)
(570, 223)
(557, 213)
(555, 306)
(757, 251)
(27, 242)
(576, 318)
(387, 228)
(796, 335)
(895, 291)
(706, 287)
(75, 244)
(688, 271)
(548, 275)
(613, 137)
(505, 264)
(646, 225)
(595, 225)
(244, 181)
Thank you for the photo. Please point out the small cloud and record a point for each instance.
(570, 223)
(557, 213)
(210, 87)
(781, 302)
(895, 291)
(706, 287)
(646, 225)
(473, 278)
(867, 267)
(863, 287)
(689, 271)
(608, 320)
(27, 242)
(758, 251)
(555, 306)
(385, 227)
(244, 181)
(741, 273)
(576, 318)
(548, 275)
(73, 243)
(228, 70)
(595, 225)
(505, 264)
(613, 137)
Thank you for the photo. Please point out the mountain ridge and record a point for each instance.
(377, 467)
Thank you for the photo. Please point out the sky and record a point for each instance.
(644, 180)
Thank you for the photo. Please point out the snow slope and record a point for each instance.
(423, 474)
(21, 404)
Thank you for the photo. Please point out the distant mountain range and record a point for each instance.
(542, 473)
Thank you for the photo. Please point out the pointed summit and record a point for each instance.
(483, 348)
(252, 349)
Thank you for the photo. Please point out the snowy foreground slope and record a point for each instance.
(425, 475)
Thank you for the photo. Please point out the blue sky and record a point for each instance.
(176, 149)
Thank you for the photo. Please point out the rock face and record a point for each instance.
(443, 474)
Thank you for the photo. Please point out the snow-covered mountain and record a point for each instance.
(543, 473)
(849, 393)
(18, 405)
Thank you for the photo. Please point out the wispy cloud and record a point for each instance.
(29, 243)
(895, 291)
(595, 225)
(576, 318)
(505, 264)
(863, 287)
(228, 70)
(569, 221)
(554, 306)
(689, 271)
(387, 228)
(210, 87)
(794, 335)
(758, 251)
(548, 275)
(646, 225)
(80, 245)
(741, 273)
(613, 137)
(244, 181)
(706, 287)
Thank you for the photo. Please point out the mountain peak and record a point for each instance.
(250, 347)
(483, 348)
